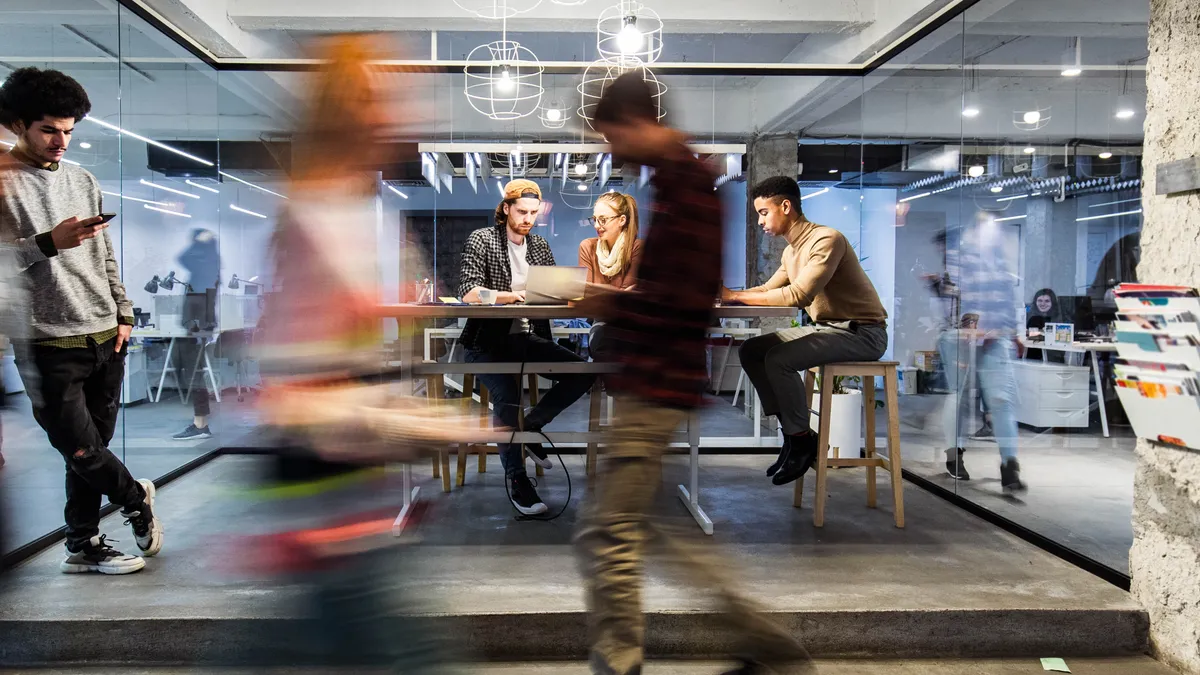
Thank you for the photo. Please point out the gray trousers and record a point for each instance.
(774, 363)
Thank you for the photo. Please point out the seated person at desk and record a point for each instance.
(1046, 309)
(498, 258)
(820, 273)
(612, 258)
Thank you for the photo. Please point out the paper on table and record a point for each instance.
(1056, 665)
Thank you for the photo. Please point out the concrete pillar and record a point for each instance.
(1037, 233)
(1165, 559)
(768, 156)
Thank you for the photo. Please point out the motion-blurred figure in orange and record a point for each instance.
(330, 503)
(660, 329)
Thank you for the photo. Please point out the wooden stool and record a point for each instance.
(866, 371)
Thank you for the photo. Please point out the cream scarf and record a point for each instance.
(611, 262)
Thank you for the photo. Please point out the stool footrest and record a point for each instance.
(869, 461)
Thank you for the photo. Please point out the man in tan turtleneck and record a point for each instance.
(821, 274)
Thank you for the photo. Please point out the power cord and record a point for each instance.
(507, 492)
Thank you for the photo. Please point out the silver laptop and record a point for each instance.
(555, 285)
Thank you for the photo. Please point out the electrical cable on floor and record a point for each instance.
(507, 492)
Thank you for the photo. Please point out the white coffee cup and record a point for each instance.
(487, 297)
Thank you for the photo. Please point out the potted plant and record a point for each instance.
(845, 418)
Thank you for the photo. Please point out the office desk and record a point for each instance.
(410, 349)
(171, 336)
(1091, 348)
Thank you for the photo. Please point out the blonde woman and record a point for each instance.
(611, 258)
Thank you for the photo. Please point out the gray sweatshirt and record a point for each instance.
(68, 293)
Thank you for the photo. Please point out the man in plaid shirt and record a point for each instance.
(659, 330)
(497, 259)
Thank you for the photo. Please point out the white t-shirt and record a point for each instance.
(519, 266)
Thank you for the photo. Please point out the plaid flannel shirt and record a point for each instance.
(663, 325)
(485, 265)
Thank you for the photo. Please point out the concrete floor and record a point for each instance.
(1028, 666)
(1080, 483)
(948, 584)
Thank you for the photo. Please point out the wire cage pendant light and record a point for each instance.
(497, 9)
(503, 80)
(602, 73)
(629, 30)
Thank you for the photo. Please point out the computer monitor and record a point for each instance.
(1077, 309)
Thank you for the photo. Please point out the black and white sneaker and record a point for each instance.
(524, 497)
(98, 557)
(193, 433)
(537, 452)
(984, 433)
(147, 528)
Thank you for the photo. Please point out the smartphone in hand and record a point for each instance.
(105, 217)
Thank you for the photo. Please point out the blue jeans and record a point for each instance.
(505, 390)
(991, 367)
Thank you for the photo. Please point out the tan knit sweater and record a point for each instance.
(821, 273)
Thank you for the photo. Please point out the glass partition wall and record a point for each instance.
(981, 172)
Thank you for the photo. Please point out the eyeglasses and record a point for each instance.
(602, 220)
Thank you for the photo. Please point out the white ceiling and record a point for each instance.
(166, 93)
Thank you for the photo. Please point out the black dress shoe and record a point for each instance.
(783, 455)
(803, 455)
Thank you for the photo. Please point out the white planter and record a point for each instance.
(845, 425)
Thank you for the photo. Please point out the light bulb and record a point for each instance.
(833, 171)
(1125, 113)
(1030, 150)
(970, 111)
(997, 188)
(1032, 117)
(1071, 71)
(87, 146)
(1105, 155)
(975, 171)
(553, 114)
(505, 83)
(580, 169)
(582, 187)
(630, 39)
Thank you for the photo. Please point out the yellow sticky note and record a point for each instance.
(1055, 665)
(449, 300)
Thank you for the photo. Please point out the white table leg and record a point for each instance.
(690, 494)
(750, 391)
(166, 364)
(411, 494)
(1099, 393)
(212, 378)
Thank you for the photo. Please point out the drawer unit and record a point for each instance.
(1052, 395)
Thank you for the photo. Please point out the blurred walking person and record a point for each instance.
(660, 328)
(330, 504)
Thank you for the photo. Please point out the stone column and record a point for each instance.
(769, 156)
(1165, 559)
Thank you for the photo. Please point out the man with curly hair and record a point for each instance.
(72, 360)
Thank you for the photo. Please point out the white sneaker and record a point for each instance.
(147, 528)
(98, 557)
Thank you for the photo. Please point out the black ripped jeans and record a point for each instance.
(75, 395)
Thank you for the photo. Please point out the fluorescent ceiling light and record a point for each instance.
(88, 146)
(814, 194)
(397, 191)
(194, 184)
(171, 213)
(970, 111)
(1009, 199)
(1003, 220)
(1105, 155)
(143, 139)
(1119, 201)
(1125, 113)
(133, 199)
(248, 212)
(909, 199)
(163, 187)
(1072, 71)
(1108, 215)
(246, 182)
(833, 171)
(1030, 150)
(997, 188)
